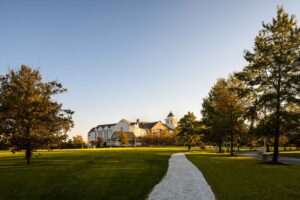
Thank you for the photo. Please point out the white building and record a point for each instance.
(109, 132)
(171, 121)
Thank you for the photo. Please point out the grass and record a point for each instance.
(295, 154)
(246, 178)
(131, 173)
(125, 173)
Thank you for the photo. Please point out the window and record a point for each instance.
(121, 129)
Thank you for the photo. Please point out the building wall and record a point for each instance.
(159, 128)
(171, 122)
(124, 126)
(138, 132)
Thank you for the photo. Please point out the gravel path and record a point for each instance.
(183, 182)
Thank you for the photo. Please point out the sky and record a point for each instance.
(132, 58)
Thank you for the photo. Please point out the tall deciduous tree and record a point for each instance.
(78, 141)
(29, 117)
(222, 114)
(274, 73)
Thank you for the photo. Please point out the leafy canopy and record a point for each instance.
(29, 116)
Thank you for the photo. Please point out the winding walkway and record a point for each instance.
(182, 181)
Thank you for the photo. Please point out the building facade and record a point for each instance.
(109, 133)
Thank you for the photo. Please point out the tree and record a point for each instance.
(188, 130)
(148, 139)
(123, 138)
(100, 141)
(273, 71)
(78, 141)
(67, 144)
(29, 117)
(222, 114)
(4, 145)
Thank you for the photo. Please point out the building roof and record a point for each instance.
(143, 125)
(170, 129)
(125, 120)
(105, 125)
(148, 125)
(92, 130)
(170, 114)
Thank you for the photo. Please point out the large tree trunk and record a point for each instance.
(220, 147)
(231, 144)
(268, 147)
(276, 149)
(277, 130)
(28, 149)
(28, 154)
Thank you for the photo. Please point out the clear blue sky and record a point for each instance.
(132, 59)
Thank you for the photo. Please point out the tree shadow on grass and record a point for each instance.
(273, 163)
(34, 165)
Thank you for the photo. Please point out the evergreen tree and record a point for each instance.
(274, 73)
(188, 130)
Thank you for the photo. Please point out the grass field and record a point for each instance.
(295, 154)
(131, 173)
(246, 178)
(124, 173)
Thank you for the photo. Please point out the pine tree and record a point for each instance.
(274, 73)
(188, 130)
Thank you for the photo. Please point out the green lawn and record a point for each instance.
(246, 178)
(124, 173)
(295, 154)
(131, 173)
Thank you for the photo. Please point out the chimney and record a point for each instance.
(137, 121)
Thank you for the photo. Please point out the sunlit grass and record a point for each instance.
(241, 177)
(108, 173)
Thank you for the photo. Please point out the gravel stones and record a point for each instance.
(183, 181)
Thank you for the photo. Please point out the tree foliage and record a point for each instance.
(100, 141)
(123, 138)
(78, 141)
(188, 130)
(222, 113)
(273, 73)
(29, 117)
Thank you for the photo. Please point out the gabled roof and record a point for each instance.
(104, 125)
(93, 129)
(126, 121)
(170, 129)
(148, 125)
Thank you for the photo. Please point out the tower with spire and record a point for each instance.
(171, 121)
